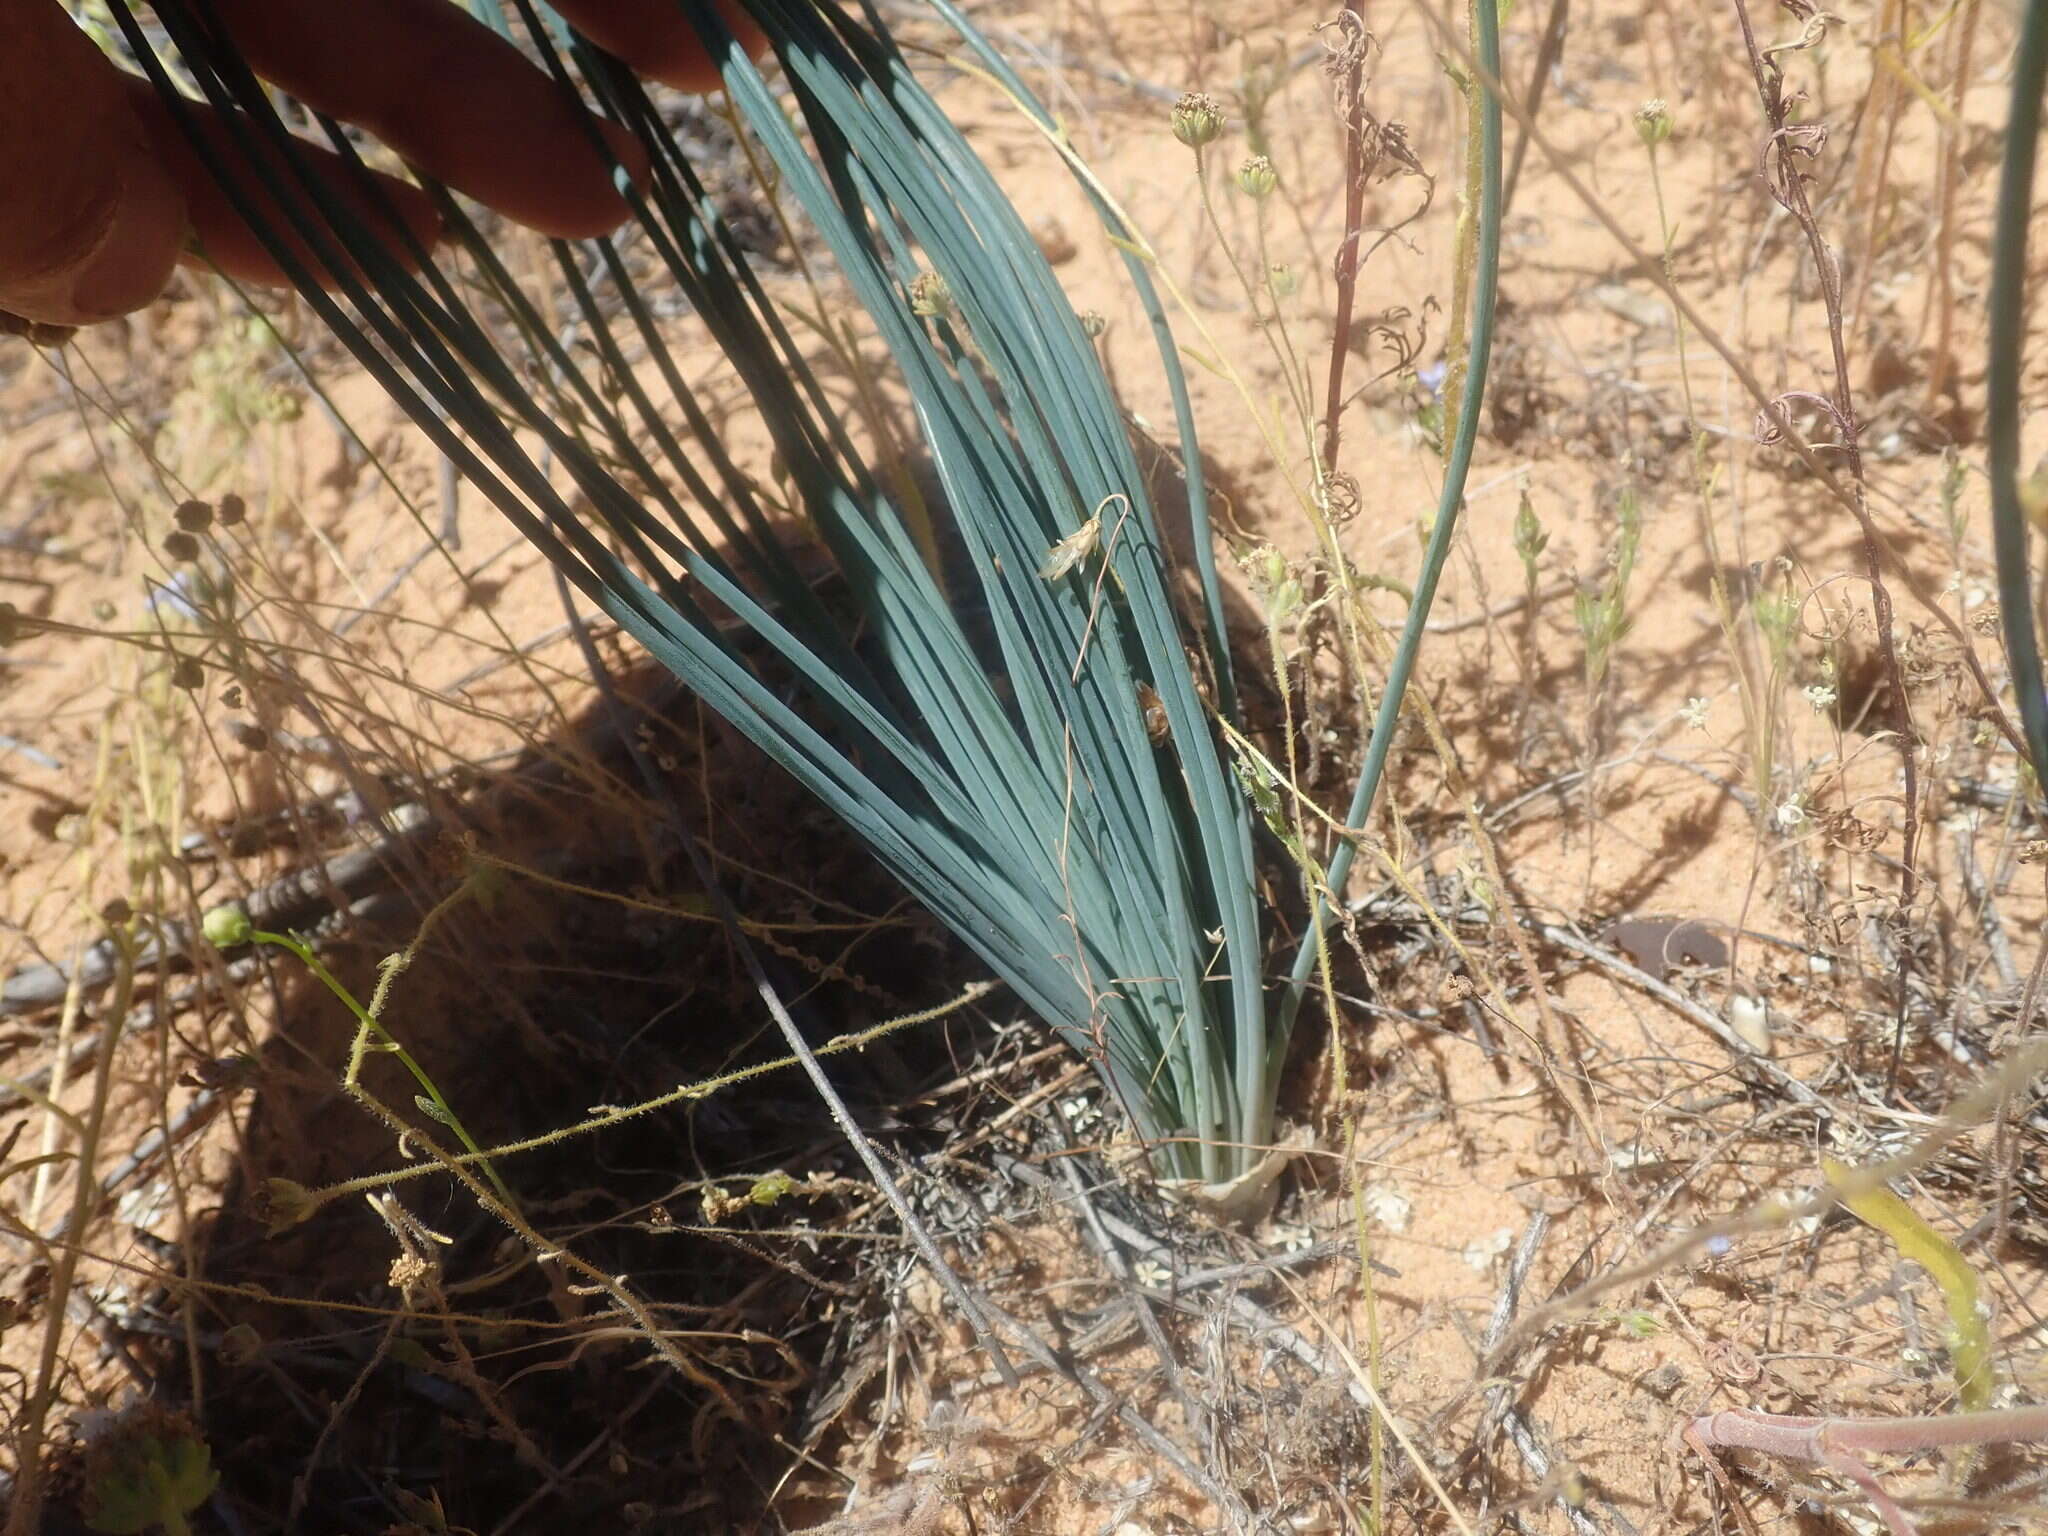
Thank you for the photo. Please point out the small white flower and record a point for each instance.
(1151, 1274)
(1387, 1207)
(1821, 696)
(1791, 816)
(1694, 712)
(1483, 1252)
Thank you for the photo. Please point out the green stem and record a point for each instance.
(2002, 382)
(386, 1041)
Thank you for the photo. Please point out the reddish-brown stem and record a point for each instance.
(1839, 1444)
(1357, 159)
(1785, 148)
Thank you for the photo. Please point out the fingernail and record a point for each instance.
(140, 249)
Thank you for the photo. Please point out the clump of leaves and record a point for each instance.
(147, 1470)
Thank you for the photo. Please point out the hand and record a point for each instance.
(101, 196)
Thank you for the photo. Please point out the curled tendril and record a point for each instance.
(1773, 420)
(1814, 29)
(1341, 499)
(1804, 140)
(1349, 46)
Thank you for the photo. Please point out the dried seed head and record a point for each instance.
(232, 510)
(37, 332)
(190, 672)
(1157, 725)
(194, 516)
(181, 545)
(1197, 120)
(1256, 178)
(1653, 122)
(1072, 551)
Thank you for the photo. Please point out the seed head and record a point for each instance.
(1653, 122)
(1197, 120)
(181, 545)
(1256, 178)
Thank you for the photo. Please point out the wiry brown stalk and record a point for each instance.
(1789, 143)
(1349, 66)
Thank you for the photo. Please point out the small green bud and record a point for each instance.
(1092, 323)
(1530, 539)
(1256, 178)
(1197, 120)
(1285, 602)
(227, 926)
(1653, 122)
(282, 1204)
(929, 295)
(1282, 280)
(771, 1188)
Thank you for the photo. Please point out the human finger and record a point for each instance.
(449, 95)
(91, 224)
(652, 37)
(398, 213)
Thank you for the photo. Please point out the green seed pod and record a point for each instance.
(227, 926)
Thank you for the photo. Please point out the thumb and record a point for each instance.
(91, 225)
